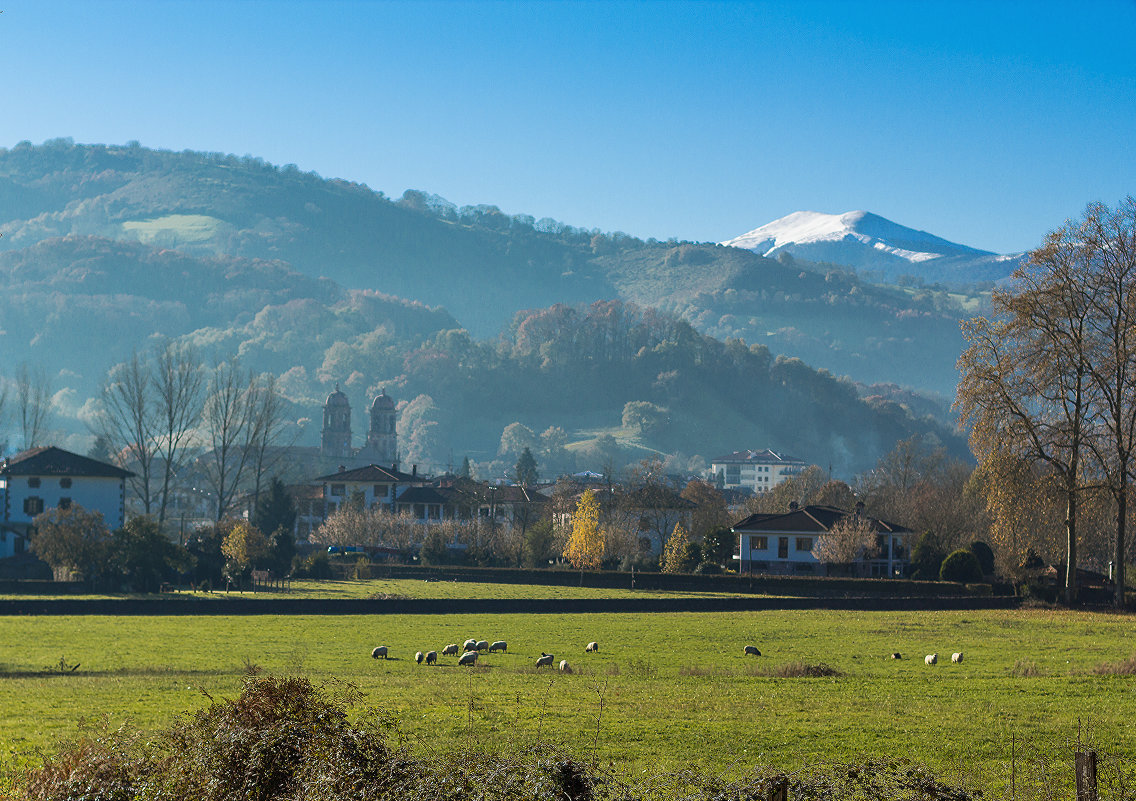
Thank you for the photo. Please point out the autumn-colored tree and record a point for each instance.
(1026, 388)
(672, 561)
(244, 545)
(585, 546)
(73, 539)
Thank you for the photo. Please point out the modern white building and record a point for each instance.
(52, 478)
(756, 471)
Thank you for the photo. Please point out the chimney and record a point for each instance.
(793, 506)
(414, 470)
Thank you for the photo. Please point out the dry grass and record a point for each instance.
(796, 670)
(1024, 669)
(1126, 667)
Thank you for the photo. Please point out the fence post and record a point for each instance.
(1085, 763)
(779, 789)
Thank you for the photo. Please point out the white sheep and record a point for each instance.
(593, 648)
(956, 658)
(564, 666)
(419, 656)
(500, 645)
(482, 645)
(468, 658)
(380, 651)
(545, 660)
(450, 650)
(470, 645)
(751, 650)
(431, 657)
(931, 659)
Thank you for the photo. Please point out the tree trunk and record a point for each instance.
(1118, 577)
(1071, 548)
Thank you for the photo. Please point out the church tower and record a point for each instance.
(382, 441)
(335, 439)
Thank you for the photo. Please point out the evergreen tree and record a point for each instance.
(466, 470)
(672, 561)
(526, 469)
(275, 509)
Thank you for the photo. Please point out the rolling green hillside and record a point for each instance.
(325, 281)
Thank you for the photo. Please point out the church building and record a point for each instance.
(381, 446)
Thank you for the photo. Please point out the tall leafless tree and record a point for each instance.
(33, 404)
(128, 419)
(227, 421)
(179, 384)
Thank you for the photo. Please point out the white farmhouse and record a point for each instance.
(756, 471)
(52, 478)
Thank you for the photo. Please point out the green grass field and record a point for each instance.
(676, 690)
(415, 588)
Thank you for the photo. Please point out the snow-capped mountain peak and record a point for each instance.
(868, 242)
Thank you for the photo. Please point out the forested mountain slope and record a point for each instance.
(105, 249)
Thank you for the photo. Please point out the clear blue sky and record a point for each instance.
(988, 123)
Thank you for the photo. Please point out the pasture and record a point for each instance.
(676, 690)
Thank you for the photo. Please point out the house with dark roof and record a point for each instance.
(378, 486)
(783, 543)
(52, 478)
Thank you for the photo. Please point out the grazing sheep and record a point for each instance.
(545, 660)
(431, 657)
(956, 658)
(450, 650)
(931, 659)
(469, 645)
(482, 645)
(419, 656)
(380, 651)
(896, 655)
(751, 650)
(468, 658)
(500, 645)
(564, 666)
(593, 648)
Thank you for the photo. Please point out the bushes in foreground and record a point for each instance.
(285, 738)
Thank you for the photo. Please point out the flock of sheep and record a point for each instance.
(930, 659)
(471, 649)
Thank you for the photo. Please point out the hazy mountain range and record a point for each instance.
(324, 281)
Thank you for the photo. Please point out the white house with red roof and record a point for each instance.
(52, 478)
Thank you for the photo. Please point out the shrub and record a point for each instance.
(985, 556)
(708, 568)
(961, 566)
(798, 670)
(1126, 667)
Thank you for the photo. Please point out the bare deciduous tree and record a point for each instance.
(128, 419)
(179, 383)
(227, 423)
(33, 404)
(850, 539)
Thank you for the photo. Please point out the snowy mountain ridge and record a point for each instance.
(870, 243)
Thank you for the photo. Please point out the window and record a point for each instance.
(782, 547)
(65, 483)
(758, 543)
(380, 490)
(64, 503)
(33, 505)
(338, 490)
(33, 482)
(804, 543)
